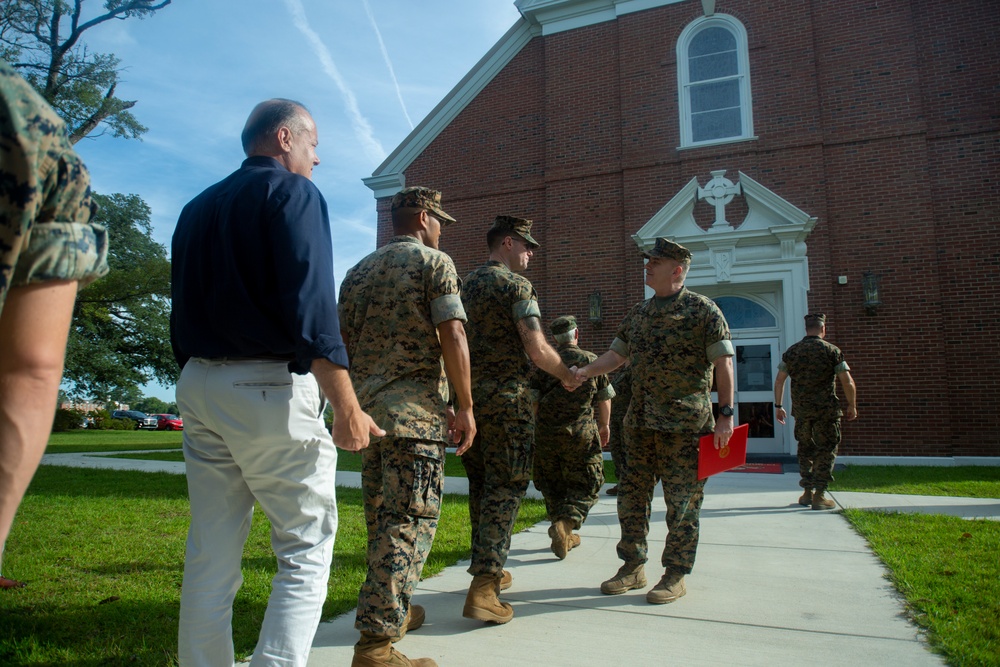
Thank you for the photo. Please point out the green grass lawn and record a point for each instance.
(75, 442)
(102, 552)
(948, 569)
(962, 481)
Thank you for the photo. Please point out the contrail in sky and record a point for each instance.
(388, 63)
(362, 128)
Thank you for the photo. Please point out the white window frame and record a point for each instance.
(736, 28)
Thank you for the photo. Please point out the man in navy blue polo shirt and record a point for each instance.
(255, 331)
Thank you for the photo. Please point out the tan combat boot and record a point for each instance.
(482, 603)
(821, 503)
(806, 498)
(415, 616)
(506, 580)
(628, 577)
(574, 540)
(670, 588)
(560, 532)
(375, 651)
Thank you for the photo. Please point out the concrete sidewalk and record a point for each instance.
(775, 584)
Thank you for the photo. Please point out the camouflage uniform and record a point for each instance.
(499, 463)
(569, 465)
(672, 343)
(390, 305)
(813, 365)
(621, 382)
(45, 204)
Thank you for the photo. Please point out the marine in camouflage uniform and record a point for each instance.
(504, 338)
(621, 382)
(45, 202)
(569, 465)
(814, 366)
(393, 305)
(674, 343)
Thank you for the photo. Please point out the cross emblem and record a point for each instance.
(718, 192)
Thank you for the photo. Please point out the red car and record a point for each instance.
(168, 423)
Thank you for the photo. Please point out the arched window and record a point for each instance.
(745, 314)
(713, 72)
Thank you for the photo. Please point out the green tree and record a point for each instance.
(42, 40)
(120, 337)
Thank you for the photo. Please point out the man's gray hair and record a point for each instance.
(267, 118)
(567, 337)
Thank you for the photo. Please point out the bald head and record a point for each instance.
(261, 130)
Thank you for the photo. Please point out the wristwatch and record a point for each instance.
(726, 410)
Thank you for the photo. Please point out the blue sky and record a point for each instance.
(367, 69)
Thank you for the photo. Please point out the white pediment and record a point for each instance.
(770, 219)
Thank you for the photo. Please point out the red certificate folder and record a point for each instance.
(712, 461)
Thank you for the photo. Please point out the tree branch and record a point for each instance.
(95, 119)
(122, 12)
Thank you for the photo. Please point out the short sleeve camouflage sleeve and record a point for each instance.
(46, 231)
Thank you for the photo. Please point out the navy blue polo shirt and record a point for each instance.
(252, 271)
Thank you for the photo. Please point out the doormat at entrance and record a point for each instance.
(768, 468)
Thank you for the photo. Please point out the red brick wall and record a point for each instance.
(881, 119)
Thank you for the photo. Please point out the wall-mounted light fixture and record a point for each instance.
(870, 290)
(594, 310)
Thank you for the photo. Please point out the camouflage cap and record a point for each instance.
(815, 319)
(420, 197)
(519, 226)
(667, 248)
(563, 324)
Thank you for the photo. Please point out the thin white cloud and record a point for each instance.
(362, 128)
(388, 62)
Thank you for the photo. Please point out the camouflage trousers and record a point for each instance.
(616, 446)
(569, 472)
(402, 482)
(499, 468)
(818, 440)
(673, 459)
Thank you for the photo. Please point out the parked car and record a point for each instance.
(168, 423)
(141, 419)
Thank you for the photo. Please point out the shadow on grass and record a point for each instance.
(118, 632)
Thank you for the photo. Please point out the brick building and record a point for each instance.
(830, 155)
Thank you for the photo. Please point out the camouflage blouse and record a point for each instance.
(390, 305)
(813, 365)
(672, 344)
(565, 411)
(495, 299)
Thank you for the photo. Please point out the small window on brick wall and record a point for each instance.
(713, 71)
